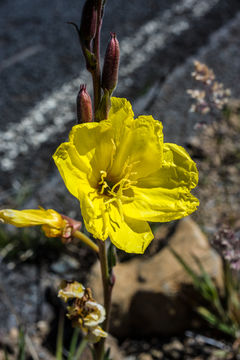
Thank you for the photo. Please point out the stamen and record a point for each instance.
(103, 176)
(115, 192)
(104, 186)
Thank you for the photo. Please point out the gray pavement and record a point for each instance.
(41, 67)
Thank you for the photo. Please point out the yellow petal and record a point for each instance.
(89, 151)
(95, 215)
(132, 236)
(71, 168)
(95, 334)
(97, 314)
(178, 170)
(94, 145)
(165, 194)
(140, 146)
(120, 109)
(161, 205)
(23, 218)
(73, 290)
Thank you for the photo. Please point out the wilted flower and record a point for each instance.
(202, 73)
(227, 243)
(124, 175)
(213, 96)
(85, 312)
(201, 104)
(53, 224)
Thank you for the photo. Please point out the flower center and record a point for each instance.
(107, 187)
(118, 191)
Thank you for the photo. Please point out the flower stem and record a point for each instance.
(107, 294)
(86, 240)
(96, 73)
(81, 348)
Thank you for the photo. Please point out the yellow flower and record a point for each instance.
(124, 175)
(52, 222)
(84, 312)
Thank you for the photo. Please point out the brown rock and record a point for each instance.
(144, 356)
(147, 297)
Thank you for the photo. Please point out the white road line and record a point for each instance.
(53, 114)
(21, 56)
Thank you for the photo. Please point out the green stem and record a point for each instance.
(80, 349)
(86, 240)
(60, 336)
(107, 294)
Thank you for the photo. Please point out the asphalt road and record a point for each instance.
(41, 66)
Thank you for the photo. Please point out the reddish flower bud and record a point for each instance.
(88, 23)
(71, 227)
(111, 64)
(84, 106)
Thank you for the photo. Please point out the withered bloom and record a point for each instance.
(227, 243)
(84, 311)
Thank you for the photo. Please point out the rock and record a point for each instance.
(175, 344)
(157, 354)
(147, 297)
(144, 356)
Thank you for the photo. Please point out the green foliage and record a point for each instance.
(21, 353)
(223, 310)
(75, 350)
(107, 355)
(111, 257)
(21, 346)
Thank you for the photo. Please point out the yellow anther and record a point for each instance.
(103, 176)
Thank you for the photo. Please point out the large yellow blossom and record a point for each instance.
(124, 175)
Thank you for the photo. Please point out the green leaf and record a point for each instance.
(104, 106)
(216, 322)
(107, 355)
(21, 346)
(73, 344)
(59, 345)
(111, 257)
(5, 354)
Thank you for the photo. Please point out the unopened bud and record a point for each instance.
(88, 23)
(84, 106)
(111, 64)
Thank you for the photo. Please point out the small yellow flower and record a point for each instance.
(53, 224)
(124, 175)
(85, 312)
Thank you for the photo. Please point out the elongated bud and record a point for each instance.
(53, 224)
(88, 25)
(111, 64)
(84, 106)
